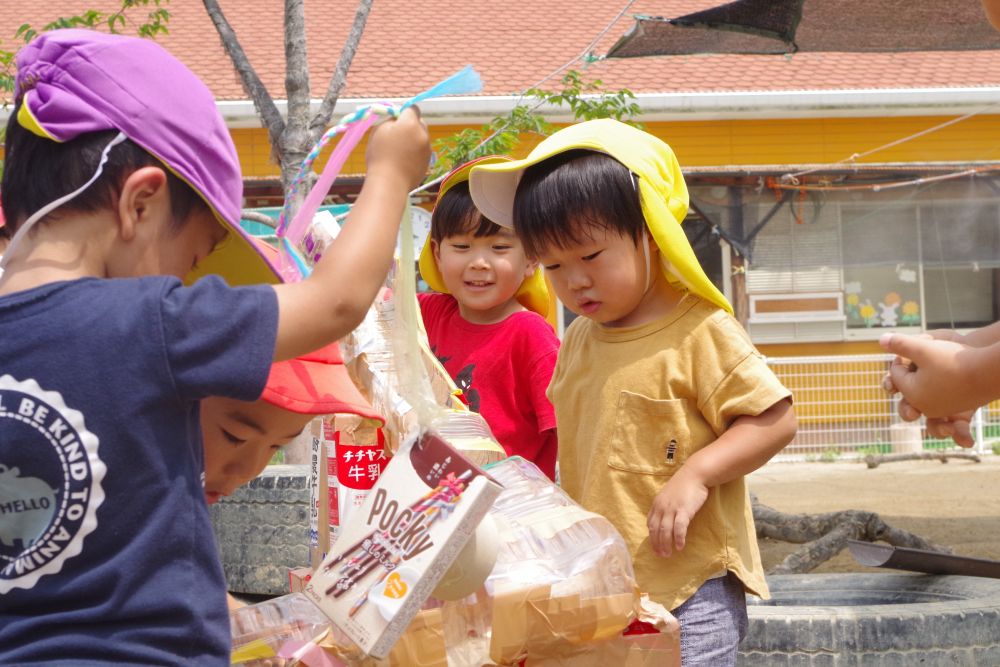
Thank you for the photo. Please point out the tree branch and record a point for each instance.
(252, 84)
(322, 117)
(873, 460)
(823, 536)
(257, 216)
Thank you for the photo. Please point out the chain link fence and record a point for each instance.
(844, 413)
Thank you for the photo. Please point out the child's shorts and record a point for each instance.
(713, 623)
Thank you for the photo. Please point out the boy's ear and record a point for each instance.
(529, 268)
(144, 196)
(653, 248)
(436, 250)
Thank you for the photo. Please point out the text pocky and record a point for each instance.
(391, 554)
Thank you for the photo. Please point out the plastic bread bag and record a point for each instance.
(563, 578)
(291, 631)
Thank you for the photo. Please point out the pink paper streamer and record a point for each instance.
(351, 138)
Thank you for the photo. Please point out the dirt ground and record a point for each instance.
(956, 504)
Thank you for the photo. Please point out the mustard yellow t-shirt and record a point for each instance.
(632, 404)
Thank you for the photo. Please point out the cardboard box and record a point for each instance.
(392, 553)
(298, 577)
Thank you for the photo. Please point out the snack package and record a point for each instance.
(261, 631)
(356, 458)
(391, 555)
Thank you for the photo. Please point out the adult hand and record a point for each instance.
(956, 427)
(935, 377)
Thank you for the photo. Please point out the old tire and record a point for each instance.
(263, 530)
(876, 620)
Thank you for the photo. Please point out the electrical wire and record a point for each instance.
(793, 178)
(545, 78)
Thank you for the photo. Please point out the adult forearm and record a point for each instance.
(982, 337)
(981, 368)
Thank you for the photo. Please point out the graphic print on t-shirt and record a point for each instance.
(50, 482)
(464, 382)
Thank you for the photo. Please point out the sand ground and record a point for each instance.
(956, 504)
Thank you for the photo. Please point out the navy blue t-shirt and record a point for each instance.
(106, 549)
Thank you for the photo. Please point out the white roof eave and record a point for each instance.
(727, 105)
(723, 105)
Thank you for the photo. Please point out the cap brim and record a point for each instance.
(317, 388)
(239, 260)
(427, 263)
(493, 187)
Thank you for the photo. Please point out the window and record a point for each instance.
(961, 264)
(881, 268)
(907, 258)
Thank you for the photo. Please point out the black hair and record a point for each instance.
(455, 214)
(560, 200)
(38, 171)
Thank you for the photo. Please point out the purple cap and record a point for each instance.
(72, 82)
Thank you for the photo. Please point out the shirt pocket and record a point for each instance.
(651, 436)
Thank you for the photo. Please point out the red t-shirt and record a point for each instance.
(503, 370)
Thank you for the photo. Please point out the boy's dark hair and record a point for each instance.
(455, 214)
(558, 199)
(38, 171)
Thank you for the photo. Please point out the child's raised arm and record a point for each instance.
(333, 300)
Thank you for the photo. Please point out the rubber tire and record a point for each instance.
(262, 530)
(874, 620)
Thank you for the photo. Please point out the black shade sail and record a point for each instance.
(787, 26)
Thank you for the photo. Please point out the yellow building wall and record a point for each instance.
(745, 142)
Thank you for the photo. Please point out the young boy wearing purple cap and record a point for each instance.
(117, 152)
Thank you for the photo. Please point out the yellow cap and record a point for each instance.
(662, 191)
(533, 293)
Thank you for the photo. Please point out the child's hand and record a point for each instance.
(400, 149)
(935, 377)
(673, 509)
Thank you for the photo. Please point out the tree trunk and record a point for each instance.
(294, 136)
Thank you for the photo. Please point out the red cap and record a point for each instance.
(316, 383)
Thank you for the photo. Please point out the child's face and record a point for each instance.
(163, 249)
(483, 273)
(240, 438)
(602, 278)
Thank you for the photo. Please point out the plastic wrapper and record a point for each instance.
(561, 594)
(563, 579)
(261, 631)
(291, 631)
(379, 363)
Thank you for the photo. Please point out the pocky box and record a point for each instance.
(391, 554)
